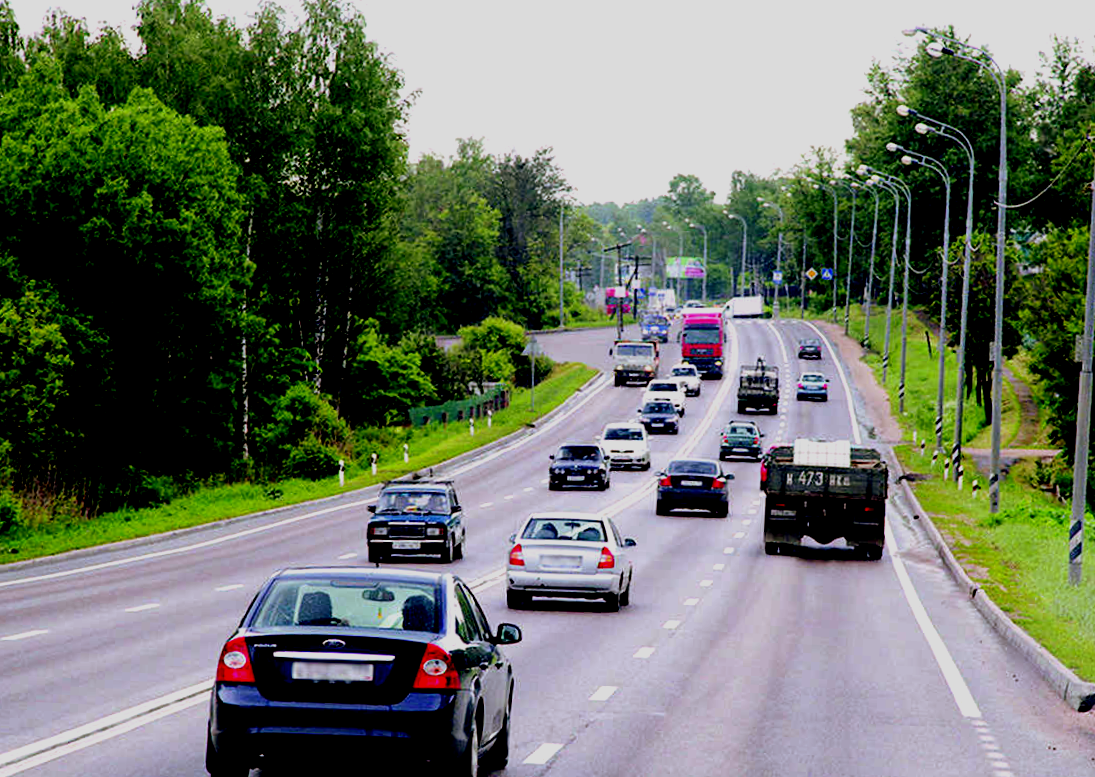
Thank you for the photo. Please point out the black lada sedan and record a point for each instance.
(362, 664)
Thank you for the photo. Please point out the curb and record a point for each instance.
(1078, 694)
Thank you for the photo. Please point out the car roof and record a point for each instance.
(743, 421)
(359, 573)
(411, 485)
(697, 459)
(567, 515)
(624, 425)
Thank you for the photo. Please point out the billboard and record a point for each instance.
(684, 267)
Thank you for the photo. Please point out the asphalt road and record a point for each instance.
(727, 662)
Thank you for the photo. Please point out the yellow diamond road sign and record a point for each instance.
(811, 273)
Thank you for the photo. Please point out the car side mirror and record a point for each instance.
(551, 456)
(372, 508)
(513, 538)
(629, 543)
(762, 434)
(609, 351)
(728, 475)
(508, 634)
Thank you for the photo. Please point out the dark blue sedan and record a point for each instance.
(393, 666)
(694, 484)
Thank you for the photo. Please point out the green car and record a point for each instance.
(740, 438)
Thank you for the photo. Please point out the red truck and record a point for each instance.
(702, 340)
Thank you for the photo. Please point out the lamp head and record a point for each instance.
(906, 111)
(906, 160)
(891, 147)
(922, 128)
(861, 170)
(936, 49)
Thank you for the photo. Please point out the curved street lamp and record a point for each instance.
(744, 242)
(937, 48)
(694, 225)
(851, 242)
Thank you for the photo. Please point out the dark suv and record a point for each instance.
(810, 348)
(415, 518)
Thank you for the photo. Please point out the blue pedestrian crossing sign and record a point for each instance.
(826, 273)
(777, 277)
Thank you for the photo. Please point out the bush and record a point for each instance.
(11, 512)
(312, 461)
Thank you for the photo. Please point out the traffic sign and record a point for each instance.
(777, 276)
(826, 273)
(811, 273)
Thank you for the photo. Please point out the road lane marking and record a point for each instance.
(706, 583)
(738, 535)
(347, 556)
(232, 587)
(727, 551)
(45, 750)
(487, 504)
(858, 439)
(143, 607)
(747, 521)
(958, 688)
(508, 496)
(644, 652)
(526, 490)
(719, 567)
(671, 624)
(543, 753)
(604, 693)
(24, 635)
(691, 602)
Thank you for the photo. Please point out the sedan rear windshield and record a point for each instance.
(578, 453)
(741, 430)
(371, 603)
(692, 468)
(663, 386)
(623, 434)
(564, 529)
(684, 371)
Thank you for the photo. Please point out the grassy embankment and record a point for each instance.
(427, 447)
(1019, 555)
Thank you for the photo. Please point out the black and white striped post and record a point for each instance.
(1083, 420)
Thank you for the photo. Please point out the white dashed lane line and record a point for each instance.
(508, 496)
(604, 693)
(143, 607)
(487, 504)
(543, 753)
(727, 551)
(232, 587)
(347, 556)
(739, 535)
(691, 602)
(24, 635)
(719, 567)
(671, 624)
(706, 583)
(526, 490)
(644, 652)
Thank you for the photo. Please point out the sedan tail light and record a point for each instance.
(665, 482)
(517, 556)
(436, 671)
(718, 483)
(235, 663)
(608, 561)
(756, 441)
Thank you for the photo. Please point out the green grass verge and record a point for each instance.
(1019, 556)
(426, 447)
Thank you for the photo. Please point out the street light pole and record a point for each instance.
(924, 127)
(779, 252)
(851, 243)
(694, 225)
(744, 243)
(893, 264)
(937, 49)
(562, 210)
(869, 291)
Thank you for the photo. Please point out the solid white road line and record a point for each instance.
(24, 635)
(857, 437)
(604, 693)
(961, 692)
(540, 755)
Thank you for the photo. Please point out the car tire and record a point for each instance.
(218, 765)
(458, 551)
(377, 556)
(660, 508)
(771, 548)
(612, 602)
(676, 430)
(723, 511)
(466, 764)
(516, 600)
(741, 407)
(625, 597)
(645, 466)
(447, 553)
(552, 485)
(603, 484)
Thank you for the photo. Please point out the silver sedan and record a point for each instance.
(571, 555)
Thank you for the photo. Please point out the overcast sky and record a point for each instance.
(630, 94)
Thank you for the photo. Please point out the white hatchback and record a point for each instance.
(688, 376)
(625, 444)
(664, 390)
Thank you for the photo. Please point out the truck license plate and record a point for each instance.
(406, 545)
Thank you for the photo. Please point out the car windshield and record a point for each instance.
(578, 453)
(634, 349)
(684, 370)
(366, 603)
(658, 407)
(692, 468)
(701, 336)
(408, 501)
(623, 433)
(580, 530)
(812, 378)
(656, 321)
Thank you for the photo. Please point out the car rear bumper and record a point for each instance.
(666, 426)
(629, 459)
(566, 584)
(431, 546)
(245, 727)
(686, 498)
(822, 396)
(740, 450)
(592, 478)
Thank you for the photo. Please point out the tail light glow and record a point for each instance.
(665, 482)
(608, 561)
(718, 483)
(235, 663)
(436, 671)
(517, 556)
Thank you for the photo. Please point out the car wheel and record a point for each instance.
(625, 597)
(741, 407)
(458, 552)
(516, 600)
(660, 508)
(603, 484)
(612, 602)
(497, 758)
(218, 765)
(771, 548)
(552, 485)
(722, 511)
(447, 553)
(645, 466)
(377, 556)
(466, 764)
(682, 411)
(676, 430)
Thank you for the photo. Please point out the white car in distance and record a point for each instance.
(664, 390)
(626, 444)
(689, 377)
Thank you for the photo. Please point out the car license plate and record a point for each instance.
(741, 450)
(576, 478)
(657, 423)
(340, 672)
(691, 482)
(406, 545)
(561, 562)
